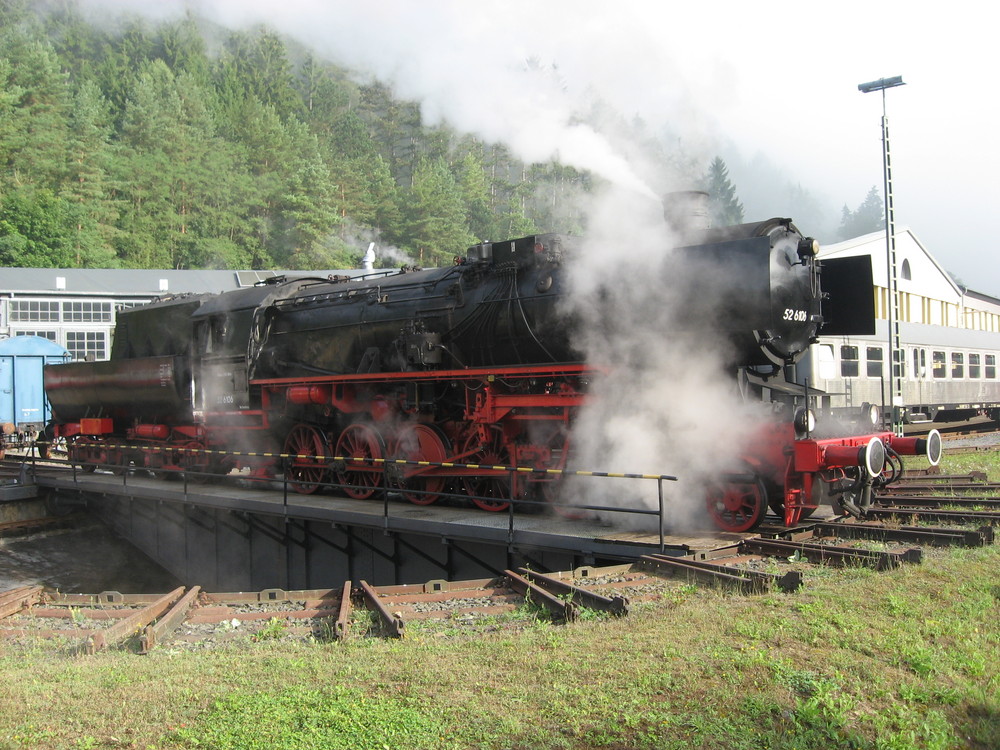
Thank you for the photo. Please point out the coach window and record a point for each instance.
(939, 367)
(874, 356)
(975, 371)
(957, 365)
(825, 366)
(848, 361)
(991, 366)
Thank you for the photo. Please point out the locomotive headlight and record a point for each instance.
(873, 456)
(804, 422)
(931, 447)
(870, 415)
(808, 248)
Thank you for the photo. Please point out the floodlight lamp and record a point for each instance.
(881, 84)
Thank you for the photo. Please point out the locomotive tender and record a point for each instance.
(461, 371)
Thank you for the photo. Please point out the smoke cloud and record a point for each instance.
(664, 402)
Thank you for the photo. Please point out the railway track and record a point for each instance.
(192, 619)
(922, 510)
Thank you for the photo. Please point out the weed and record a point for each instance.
(274, 629)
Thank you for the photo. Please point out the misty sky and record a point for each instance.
(777, 79)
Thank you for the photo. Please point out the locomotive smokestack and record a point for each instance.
(686, 211)
(368, 261)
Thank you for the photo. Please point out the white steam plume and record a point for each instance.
(665, 403)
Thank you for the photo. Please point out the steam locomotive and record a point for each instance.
(463, 372)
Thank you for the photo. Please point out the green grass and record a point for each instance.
(856, 659)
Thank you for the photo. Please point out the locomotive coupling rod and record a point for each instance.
(747, 581)
(616, 605)
(830, 554)
(559, 607)
(392, 622)
(341, 627)
(919, 534)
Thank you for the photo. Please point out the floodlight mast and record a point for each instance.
(896, 358)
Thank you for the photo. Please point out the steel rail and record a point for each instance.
(747, 581)
(123, 629)
(169, 622)
(955, 516)
(616, 605)
(534, 593)
(341, 626)
(392, 623)
(830, 554)
(924, 535)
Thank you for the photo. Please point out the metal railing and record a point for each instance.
(385, 490)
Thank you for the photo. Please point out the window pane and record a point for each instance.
(849, 361)
(991, 366)
(957, 365)
(938, 365)
(975, 371)
(33, 311)
(83, 343)
(874, 356)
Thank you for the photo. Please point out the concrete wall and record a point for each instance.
(223, 550)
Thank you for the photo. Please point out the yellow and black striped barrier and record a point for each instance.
(321, 459)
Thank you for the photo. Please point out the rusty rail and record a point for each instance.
(616, 605)
(341, 627)
(123, 629)
(920, 534)
(954, 516)
(392, 623)
(747, 581)
(563, 608)
(13, 601)
(830, 554)
(167, 624)
(936, 501)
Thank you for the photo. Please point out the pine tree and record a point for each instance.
(724, 208)
(435, 214)
(866, 218)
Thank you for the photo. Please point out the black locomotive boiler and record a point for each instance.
(459, 371)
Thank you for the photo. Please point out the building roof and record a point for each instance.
(908, 248)
(121, 282)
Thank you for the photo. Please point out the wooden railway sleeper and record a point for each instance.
(830, 554)
(616, 605)
(559, 607)
(391, 622)
(747, 581)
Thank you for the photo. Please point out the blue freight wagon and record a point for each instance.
(23, 406)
